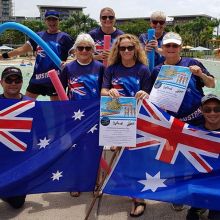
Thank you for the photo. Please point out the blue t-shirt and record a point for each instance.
(23, 97)
(98, 36)
(157, 57)
(61, 43)
(202, 126)
(83, 81)
(128, 81)
(189, 109)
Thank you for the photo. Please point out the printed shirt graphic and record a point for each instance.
(83, 82)
(48, 146)
(98, 36)
(61, 44)
(170, 161)
(128, 81)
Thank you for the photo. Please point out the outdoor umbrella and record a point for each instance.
(6, 48)
(200, 48)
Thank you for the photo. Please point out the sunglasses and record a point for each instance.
(171, 45)
(51, 13)
(111, 17)
(129, 48)
(81, 48)
(10, 81)
(156, 22)
(209, 110)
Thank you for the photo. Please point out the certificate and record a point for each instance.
(118, 121)
(170, 87)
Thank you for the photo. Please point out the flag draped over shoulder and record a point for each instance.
(48, 146)
(172, 162)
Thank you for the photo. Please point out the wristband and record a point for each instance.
(5, 55)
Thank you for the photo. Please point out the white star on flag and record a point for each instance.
(43, 143)
(93, 129)
(78, 115)
(152, 182)
(57, 175)
(94, 90)
(74, 145)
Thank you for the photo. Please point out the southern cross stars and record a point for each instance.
(78, 115)
(43, 143)
(57, 175)
(152, 182)
(93, 129)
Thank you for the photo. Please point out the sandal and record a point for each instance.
(95, 191)
(136, 204)
(75, 194)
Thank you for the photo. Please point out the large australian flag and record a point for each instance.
(48, 146)
(172, 162)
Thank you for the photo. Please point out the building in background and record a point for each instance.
(6, 10)
(175, 19)
(65, 12)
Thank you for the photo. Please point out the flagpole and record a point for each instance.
(102, 182)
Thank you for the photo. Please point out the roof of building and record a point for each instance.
(186, 16)
(57, 6)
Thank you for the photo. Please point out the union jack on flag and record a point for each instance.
(99, 45)
(172, 162)
(10, 122)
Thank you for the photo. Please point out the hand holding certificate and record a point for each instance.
(170, 87)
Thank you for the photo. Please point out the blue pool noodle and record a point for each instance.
(150, 55)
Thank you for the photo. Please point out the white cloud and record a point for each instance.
(126, 8)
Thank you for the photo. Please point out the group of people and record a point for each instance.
(126, 75)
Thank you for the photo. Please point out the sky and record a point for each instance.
(125, 8)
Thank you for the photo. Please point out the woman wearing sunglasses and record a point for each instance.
(157, 22)
(127, 75)
(107, 19)
(83, 76)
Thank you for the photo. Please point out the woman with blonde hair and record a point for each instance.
(107, 20)
(127, 76)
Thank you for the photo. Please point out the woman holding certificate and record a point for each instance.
(189, 108)
(127, 75)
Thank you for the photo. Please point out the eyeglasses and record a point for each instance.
(10, 81)
(209, 110)
(160, 22)
(81, 48)
(129, 48)
(51, 13)
(111, 17)
(171, 45)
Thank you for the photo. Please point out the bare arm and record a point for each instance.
(207, 80)
(21, 50)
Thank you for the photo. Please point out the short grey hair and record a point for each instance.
(158, 14)
(86, 38)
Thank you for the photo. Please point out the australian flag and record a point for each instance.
(172, 162)
(48, 146)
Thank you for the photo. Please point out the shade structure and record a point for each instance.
(187, 47)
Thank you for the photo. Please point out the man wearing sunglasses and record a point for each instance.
(157, 22)
(60, 42)
(11, 81)
(210, 108)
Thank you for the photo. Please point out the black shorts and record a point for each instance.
(41, 90)
(214, 215)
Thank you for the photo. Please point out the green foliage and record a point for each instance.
(135, 27)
